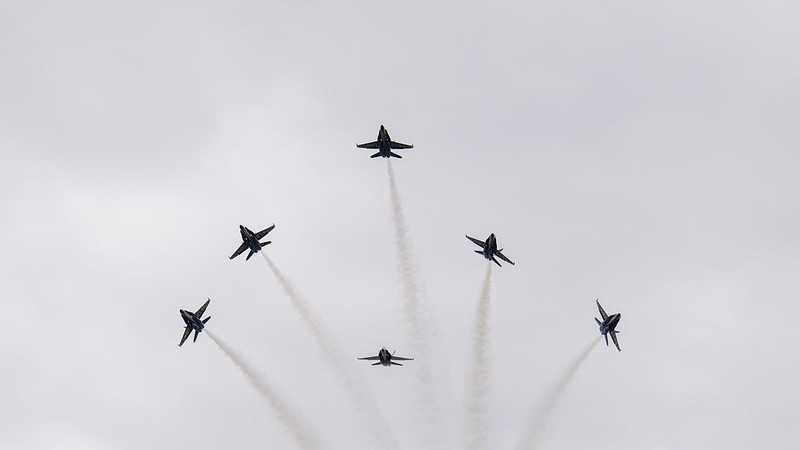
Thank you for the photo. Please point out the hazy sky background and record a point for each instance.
(641, 152)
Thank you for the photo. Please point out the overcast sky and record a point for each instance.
(640, 152)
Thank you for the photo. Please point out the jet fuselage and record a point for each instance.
(385, 357)
(490, 247)
(384, 143)
(192, 320)
(610, 324)
(249, 238)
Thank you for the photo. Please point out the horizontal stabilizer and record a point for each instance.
(598, 321)
(264, 244)
(249, 255)
(375, 155)
(376, 364)
(206, 319)
(394, 363)
(394, 155)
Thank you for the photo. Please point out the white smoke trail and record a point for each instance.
(415, 316)
(332, 352)
(552, 397)
(478, 381)
(408, 276)
(302, 434)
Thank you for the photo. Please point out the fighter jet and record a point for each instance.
(250, 241)
(490, 249)
(385, 358)
(385, 145)
(608, 325)
(194, 321)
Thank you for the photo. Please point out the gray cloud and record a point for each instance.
(638, 152)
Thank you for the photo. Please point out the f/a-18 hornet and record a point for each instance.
(250, 241)
(385, 145)
(385, 358)
(608, 325)
(194, 321)
(490, 249)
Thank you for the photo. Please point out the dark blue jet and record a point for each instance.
(194, 321)
(608, 325)
(490, 249)
(250, 241)
(385, 358)
(385, 145)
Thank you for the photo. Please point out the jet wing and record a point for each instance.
(400, 358)
(264, 232)
(202, 309)
(370, 358)
(239, 250)
(501, 256)
(186, 334)
(602, 311)
(614, 338)
(373, 144)
(398, 145)
(477, 242)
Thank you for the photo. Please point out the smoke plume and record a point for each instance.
(479, 377)
(414, 315)
(331, 351)
(302, 434)
(541, 415)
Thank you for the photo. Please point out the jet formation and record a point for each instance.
(194, 322)
(608, 324)
(384, 145)
(250, 241)
(489, 249)
(385, 358)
